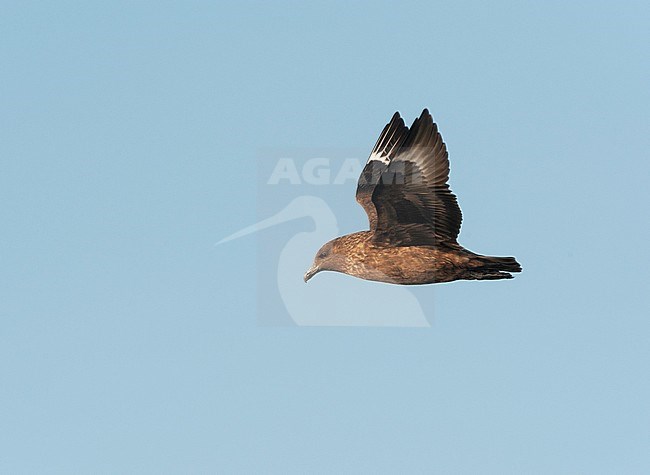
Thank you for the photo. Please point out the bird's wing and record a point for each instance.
(404, 189)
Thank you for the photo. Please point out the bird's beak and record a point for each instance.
(313, 270)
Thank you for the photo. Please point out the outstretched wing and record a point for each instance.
(403, 187)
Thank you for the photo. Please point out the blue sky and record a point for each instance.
(130, 136)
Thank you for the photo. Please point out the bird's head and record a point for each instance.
(327, 258)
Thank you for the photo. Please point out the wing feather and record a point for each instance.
(403, 187)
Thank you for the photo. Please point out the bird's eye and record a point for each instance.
(322, 255)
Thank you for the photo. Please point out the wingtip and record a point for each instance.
(397, 119)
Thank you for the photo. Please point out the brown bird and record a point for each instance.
(414, 217)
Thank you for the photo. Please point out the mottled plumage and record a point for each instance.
(414, 218)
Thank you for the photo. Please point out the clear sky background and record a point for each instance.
(129, 133)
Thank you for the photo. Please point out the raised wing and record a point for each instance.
(403, 187)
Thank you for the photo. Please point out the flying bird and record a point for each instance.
(414, 218)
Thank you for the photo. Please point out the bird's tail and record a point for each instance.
(490, 268)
